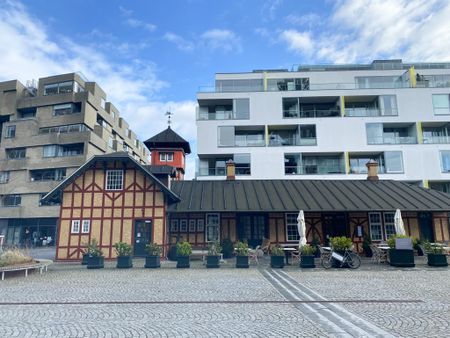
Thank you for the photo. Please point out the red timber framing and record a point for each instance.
(112, 213)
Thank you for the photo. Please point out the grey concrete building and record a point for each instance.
(47, 131)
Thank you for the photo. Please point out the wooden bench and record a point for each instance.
(39, 264)
(202, 253)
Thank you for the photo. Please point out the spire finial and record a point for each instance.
(169, 116)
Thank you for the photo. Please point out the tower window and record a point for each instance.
(166, 157)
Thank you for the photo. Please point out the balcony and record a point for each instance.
(391, 133)
(370, 106)
(301, 164)
(310, 107)
(358, 162)
(211, 165)
(241, 136)
(223, 109)
(436, 133)
(292, 135)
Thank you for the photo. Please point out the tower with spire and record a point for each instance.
(169, 149)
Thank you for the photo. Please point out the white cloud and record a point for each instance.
(269, 8)
(222, 39)
(28, 50)
(310, 19)
(134, 23)
(363, 30)
(181, 43)
(299, 42)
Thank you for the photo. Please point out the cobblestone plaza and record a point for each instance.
(70, 301)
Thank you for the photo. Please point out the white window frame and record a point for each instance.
(192, 225)
(385, 224)
(162, 157)
(174, 225)
(212, 225)
(75, 228)
(183, 225)
(108, 185)
(380, 224)
(200, 225)
(10, 131)
(86, 226)
(289, 224)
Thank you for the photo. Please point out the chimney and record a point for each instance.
(372, 170)
(231, 170)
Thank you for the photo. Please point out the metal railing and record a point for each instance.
(249, 141)
(436, 139)
(314, 169)
(311, 113)
(392, 140)
(363, 112)
(222, 171)
(276, 140)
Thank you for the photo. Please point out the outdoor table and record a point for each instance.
(328, 248)
(384, 247)
(288, 250)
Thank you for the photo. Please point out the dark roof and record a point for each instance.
(161, 169)
(117, 156)
(168, 139)
(307, 195)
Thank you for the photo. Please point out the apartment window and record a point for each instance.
(16, 153)
(388, 105)
(4, 177)
(71, 128)
(445, 161)
(10, 132)
(375, 226)
(114, 179)
(291, 227)
(26, 113)
(62, 88)
(75, 226)
(287, 84)
(166, 157)
(441, 104)
(86, 226)
(103, 103)
(243, 85)
(66, 109)
(48, 174)
(111, 142)
(241, 108)
(113, 114)
(393, 162)
(63, 150)
(11, 200)
(242, 164)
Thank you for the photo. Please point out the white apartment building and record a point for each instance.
(327, 122)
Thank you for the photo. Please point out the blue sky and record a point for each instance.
(151, 56)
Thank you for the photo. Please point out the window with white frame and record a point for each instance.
(86, 226)
(166, 157)
(192, 225)
(4, 177)
(375, 226)
(174, 225)
(183, 225)
(10, 131)
(291, 227)
(389, 224)
(75, 226)
(114, 179)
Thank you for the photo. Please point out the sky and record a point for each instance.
(153, 56)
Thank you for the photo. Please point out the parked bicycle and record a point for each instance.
(350, 258)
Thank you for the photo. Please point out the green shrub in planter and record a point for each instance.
(184, 250)
(366, 246)
(315, 244)
(341, 243)
(436, 255)
(241, 255)
(123, 252)
(152, 260)
(227, 248)
(307, 256)
(213, 257)
(277, 257)
(95, 259)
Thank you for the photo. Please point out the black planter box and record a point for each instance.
(277, 261)
(242, 262)
(183, 262)
(84, 261)
(212, 262)
(124, 262)
(437, 260)
(152, 262)
(96, 262)
(401, 258)
(307, 261)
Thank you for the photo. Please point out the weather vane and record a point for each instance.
(169, 116)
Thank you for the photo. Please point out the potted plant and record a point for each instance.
(85, 254)
(241, 255)
(153, 258)
(339, 245)
(95, 259)
(307, 256)
(213, 256)
(366, 246)
(400, 257)
(184, 250)
(436, 255)
(277, 257)
(227, 248)
(315, 244)
(123, 252)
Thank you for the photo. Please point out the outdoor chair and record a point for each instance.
(378, 255)
(295, 256)
(265, 246)
(324, 254)
(253, 254)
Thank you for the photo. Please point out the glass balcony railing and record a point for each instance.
(436, 139)
(363, 112)
(219, 115)
(393, 140)
(222, 171)
(249, 141)
(278, 140)
(295, 113)
(363, 170)
(314, 169)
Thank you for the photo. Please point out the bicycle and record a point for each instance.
(350, 258)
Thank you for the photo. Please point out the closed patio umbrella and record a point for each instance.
(398, 223)
(301, 226)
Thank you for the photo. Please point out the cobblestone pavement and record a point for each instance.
(70, 301)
